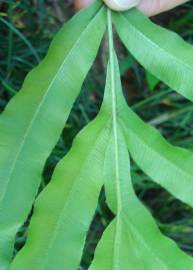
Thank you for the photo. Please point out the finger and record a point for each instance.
(149, 7)
(78, 4)
(153, 7)
(121, 5)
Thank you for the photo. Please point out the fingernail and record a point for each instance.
(121, 5)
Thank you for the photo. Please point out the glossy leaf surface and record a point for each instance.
(162, 52)
(132, 240)
(64, 210)
(172, 63)
(168, 165)
(33, 120)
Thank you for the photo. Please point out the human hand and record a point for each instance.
(149, 7)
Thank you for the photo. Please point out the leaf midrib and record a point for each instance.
(117, 241)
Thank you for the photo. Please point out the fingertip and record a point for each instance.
(79, 4)
(121, 5)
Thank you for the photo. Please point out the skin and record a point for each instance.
(149, 7)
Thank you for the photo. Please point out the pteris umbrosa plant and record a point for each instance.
(100, 156)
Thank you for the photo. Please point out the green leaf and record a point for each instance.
(64, 210)
(162, 52)
(171, 62)
(168, 165)
(126, 64)
(32, 122)
(132, 240)
(152, 81)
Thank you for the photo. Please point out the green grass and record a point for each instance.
(26, 29)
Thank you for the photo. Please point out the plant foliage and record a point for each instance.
(100, 155)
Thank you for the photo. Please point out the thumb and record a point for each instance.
(120, 5)
(78, 4)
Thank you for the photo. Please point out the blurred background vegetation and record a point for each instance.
(26, 29)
